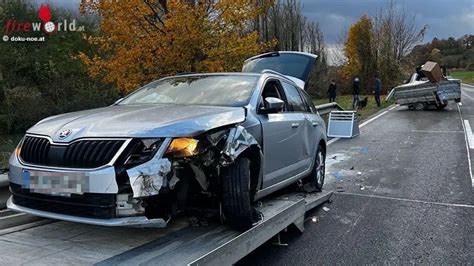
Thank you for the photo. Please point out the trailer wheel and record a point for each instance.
(420, 106)
(236, 198)
(315, 181)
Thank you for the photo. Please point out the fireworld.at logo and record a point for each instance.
(47, 25)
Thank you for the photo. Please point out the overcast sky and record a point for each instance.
(445, 18)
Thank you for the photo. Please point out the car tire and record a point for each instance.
(236, 195)
(315, 181)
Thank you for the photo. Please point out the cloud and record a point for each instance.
(444, 18)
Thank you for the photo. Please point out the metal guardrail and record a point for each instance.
(324, 109)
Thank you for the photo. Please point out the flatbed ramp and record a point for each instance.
(179, 244)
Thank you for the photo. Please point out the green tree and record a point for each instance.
(40, 79)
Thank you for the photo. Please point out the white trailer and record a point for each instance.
(420, 94)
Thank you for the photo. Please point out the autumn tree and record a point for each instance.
(358, 52)
(144, 40)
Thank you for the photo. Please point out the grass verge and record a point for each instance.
(465, 76)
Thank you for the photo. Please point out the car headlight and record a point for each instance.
(142, 150)
(182, 147)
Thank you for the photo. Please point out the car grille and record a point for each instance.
(91, 205)
(79, 154)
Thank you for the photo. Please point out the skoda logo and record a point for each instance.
(65, 133)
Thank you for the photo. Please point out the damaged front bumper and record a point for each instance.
(137, 221)
(157, 185)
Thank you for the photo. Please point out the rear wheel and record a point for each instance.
(236, 195)
(315, 181)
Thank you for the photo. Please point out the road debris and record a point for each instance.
(325, 209)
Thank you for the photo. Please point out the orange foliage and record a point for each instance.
(144, 40)
(358, 51)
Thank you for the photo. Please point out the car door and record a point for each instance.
(315, 127)
(299, 108)
(281, 137)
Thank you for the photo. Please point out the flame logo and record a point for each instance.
(44, 13)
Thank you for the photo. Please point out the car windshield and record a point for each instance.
(219, 90)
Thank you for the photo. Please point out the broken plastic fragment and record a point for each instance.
(325, 209)
(147, 179)
(237, 142)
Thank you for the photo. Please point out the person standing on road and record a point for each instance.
(377, 89)
(355, 93)
(332, 91)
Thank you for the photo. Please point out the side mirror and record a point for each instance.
(272, 105)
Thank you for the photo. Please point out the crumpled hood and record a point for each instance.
(139, 121)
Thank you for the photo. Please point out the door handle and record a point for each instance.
(295, 125)
(314, 124)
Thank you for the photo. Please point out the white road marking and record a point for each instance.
(409, 200)
(333, 140)
(470, 137)
(465, 95)
(438, 131)
(467, 148)
(391, 108)
(372, 119)
(12, 216)
(467, 85)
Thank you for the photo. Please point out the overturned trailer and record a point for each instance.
(426, 89)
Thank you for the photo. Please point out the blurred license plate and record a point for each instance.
(54, 183)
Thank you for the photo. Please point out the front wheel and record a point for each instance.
(236, 195)
(315, 181)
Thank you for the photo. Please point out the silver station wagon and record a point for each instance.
(213, 141)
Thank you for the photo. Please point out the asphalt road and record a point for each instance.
(404, 196)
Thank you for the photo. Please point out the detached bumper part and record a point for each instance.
(137, 221)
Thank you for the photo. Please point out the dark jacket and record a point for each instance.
(355, 87)
(377, 86)
(332, 90)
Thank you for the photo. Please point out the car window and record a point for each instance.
(293, 97)
(309, 102)
(218, 90)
